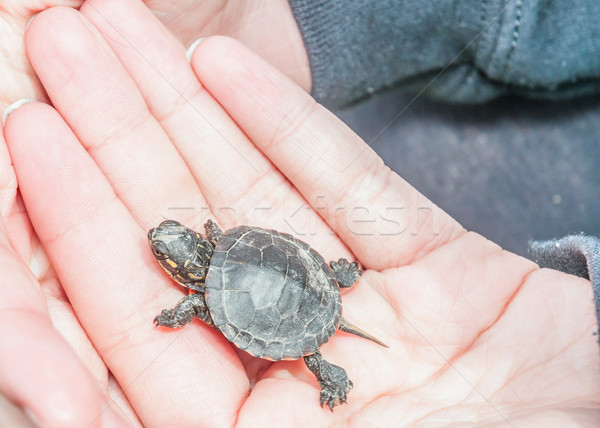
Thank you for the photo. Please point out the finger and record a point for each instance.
(289, 403)
(25, 243)
(240, 184)
(156, 62)
(38, 369)
(8, 181)
(12, 415)
(36, 361)
(100, 254)
(381, 217)
(104, 108)
(17, 225)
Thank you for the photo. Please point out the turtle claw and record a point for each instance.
(168, 318)
(333, 397)
(332, 379)
(165, 318)
(192, 305)
(346, 274)
(325, 399)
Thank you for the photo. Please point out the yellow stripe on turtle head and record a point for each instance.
(193, 276)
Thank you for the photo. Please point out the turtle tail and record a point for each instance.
(351, 328)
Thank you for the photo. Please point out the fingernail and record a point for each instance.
(15, 106)
(111, 419)
(32, 417)
(39, 264)
(29, 22)
(192, 48)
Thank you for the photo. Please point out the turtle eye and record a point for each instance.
(159, 249)
(158, 252)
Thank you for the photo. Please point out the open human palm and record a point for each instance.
(477, 335)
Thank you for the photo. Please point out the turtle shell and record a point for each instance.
(271, 294)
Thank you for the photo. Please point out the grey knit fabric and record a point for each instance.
(466, 51)
(575, 254)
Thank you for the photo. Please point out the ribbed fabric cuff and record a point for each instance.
(575, 254)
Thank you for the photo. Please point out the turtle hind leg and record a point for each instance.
(213, 232)
(192, 305)
(332, 379)
(346, 274)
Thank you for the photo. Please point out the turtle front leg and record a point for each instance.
(346, 274)
(192, 305)
(332, 379)
(213, 232)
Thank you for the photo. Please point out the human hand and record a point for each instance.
(48, 366)
(43, 344)
(18, 80)
(58, 378)
(43, 296)
(476, 335)
(266, 27)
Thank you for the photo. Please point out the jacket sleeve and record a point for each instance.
(456, 50)
(575, 254)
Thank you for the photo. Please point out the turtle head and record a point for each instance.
(183, 253)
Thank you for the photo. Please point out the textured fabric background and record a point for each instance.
(486, 48)
(513, 169)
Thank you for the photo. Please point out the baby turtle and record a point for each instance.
(269, 293)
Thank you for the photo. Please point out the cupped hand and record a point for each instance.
(18, 79)
(266, 27)
(477, 335)
(48, 366)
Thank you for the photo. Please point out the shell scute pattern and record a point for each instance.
(266, 289)
(267, 320)
(258, 240)
(243, 339)
(273, 348)
(274, 296)
(228, 331)
(290, 297)
(275, 259)
(218, 260)
(256, 347)
(242, 300)
(217, 313)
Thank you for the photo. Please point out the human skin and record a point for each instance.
(41, 296)
(477, 335)
(267, 27)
